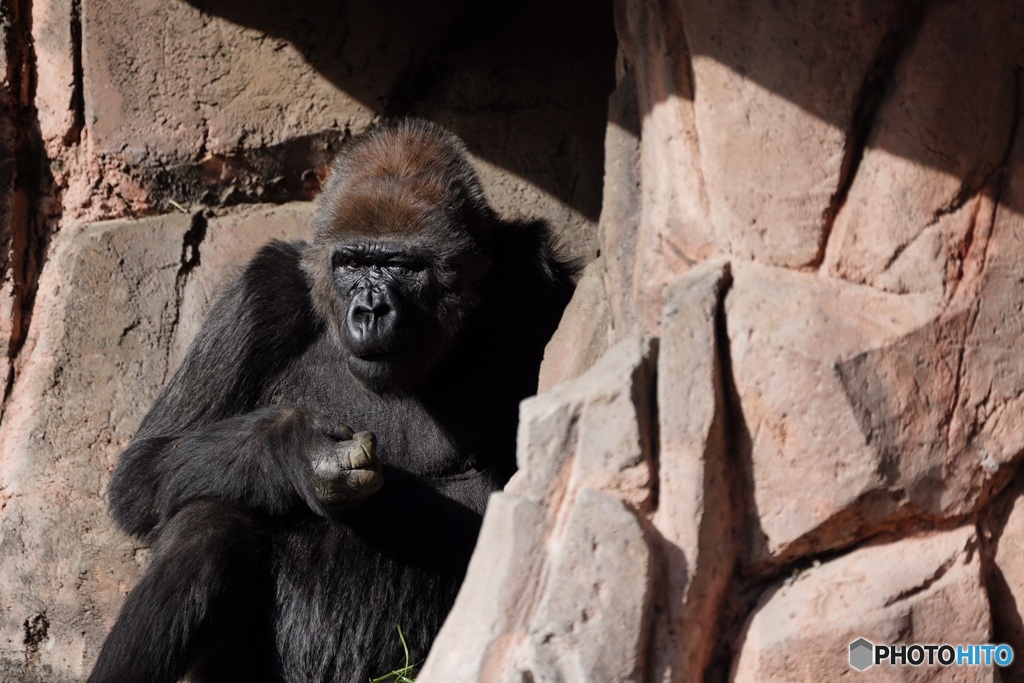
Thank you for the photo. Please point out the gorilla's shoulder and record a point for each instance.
(269, 300)
(276, 269)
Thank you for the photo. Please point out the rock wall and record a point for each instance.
(784, 410)
(145, 153)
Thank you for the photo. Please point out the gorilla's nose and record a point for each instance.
(368, 307)
(372, 322)
(371, 312)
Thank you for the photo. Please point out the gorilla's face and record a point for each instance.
(391, 332)
(400, 249)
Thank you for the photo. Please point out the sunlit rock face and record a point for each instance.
(814, 217)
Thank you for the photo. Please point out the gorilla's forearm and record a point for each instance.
(262, 460)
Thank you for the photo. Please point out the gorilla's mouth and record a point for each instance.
(383, 356)
(386, 371)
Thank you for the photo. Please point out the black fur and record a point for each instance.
(253, 577)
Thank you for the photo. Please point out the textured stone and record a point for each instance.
(863, 397)
(911, 209)
(190, 105)
(792, 336)
(884, 406)
(802, 627)
(620, 207)
(591, 623)
(254, 103)
(560, 583)
(876, 395)
(674, 228)
(592, 432)
(102, 343)
(584, 334)
(942, 404)
(986, 426)
(9, 304)
(694, 514)
(776, 89)
(65, 568)
(183, 84)
(58, 96)
(12, 202)
(224, 245)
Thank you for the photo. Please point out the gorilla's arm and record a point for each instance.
(255, 459)
(205, 435)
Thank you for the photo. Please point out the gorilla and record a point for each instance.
(316, 471)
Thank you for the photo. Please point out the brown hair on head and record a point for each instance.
(398, 178)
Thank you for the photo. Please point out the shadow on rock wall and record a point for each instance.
(524, 84)
(801, 118)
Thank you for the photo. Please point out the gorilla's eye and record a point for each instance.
(347, 261)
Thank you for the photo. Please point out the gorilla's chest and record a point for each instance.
(412, 435)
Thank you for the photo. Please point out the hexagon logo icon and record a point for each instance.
(861, 654)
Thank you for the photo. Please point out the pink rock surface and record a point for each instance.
(773, 132)
(568, 534)
(931, 154)
(802, 627)
(694, 517)
(153, 92)
(487, 630)
(663, 176)
(592, 619)
(986, 425)
(620, 208)
(1006, 575)
(10, 304)
(791, 338)
(591, 432)
(585, 335)
(853, 392)
(55, 65)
